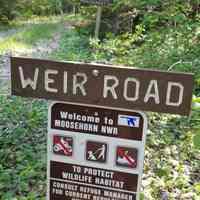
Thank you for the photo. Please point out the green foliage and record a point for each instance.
(7, 10)
(171, 158)
(37, 32)
(117, 46)
(196, 139)
(195, 120)
(41, 7)
(73, 46)
(10, 9)
(142, 33)
(23, 149)
(163, 35)
(28, 35)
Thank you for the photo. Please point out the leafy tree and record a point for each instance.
(26, 8)
(7, 10)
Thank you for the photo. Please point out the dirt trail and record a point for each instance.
(8, 33)
(41, 49)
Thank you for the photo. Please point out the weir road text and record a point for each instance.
(103, 85)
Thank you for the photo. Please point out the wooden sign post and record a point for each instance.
(98, 21)
(100, 4)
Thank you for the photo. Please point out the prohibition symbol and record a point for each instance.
(96, 151)
(62, 145)
(126, 157)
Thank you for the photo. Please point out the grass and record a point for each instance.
(21, 22)
(74, 44)
(28, 34)
(27, 37)
(37, 32)
(73, 47)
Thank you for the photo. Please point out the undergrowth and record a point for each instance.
(172, 151)
(22, 149)
(74, 46)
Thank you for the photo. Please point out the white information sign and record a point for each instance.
(94, 153)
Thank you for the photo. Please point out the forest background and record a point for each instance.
(152, 34)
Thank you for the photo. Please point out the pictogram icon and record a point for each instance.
(62, 145)
(126, 157)
(96, 151)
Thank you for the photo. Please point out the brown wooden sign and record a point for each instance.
(102, 85)
(98, 2)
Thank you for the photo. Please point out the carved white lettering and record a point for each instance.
(26, 82)
(137, 87)
(153, 85)
(65, 83)
(79, 84)
(111, 88)
(48, 80)
(169, 94)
